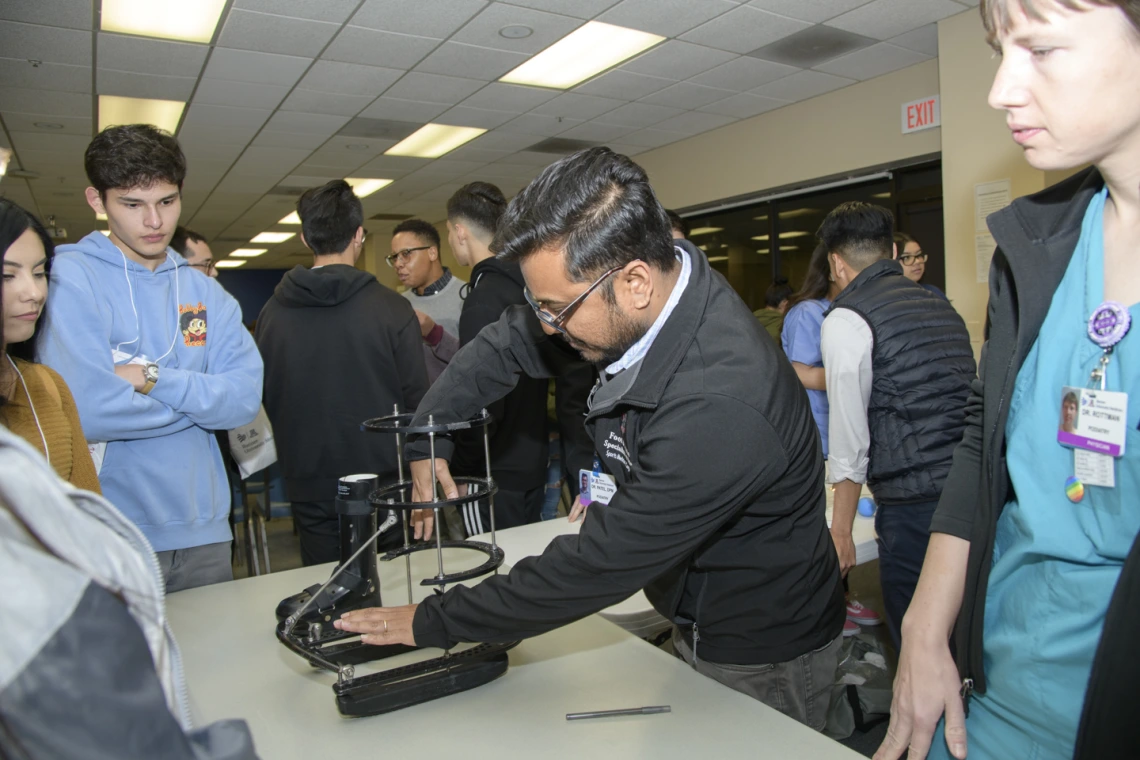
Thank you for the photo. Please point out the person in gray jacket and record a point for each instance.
(89, 667)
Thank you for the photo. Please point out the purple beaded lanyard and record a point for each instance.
(1108, 325)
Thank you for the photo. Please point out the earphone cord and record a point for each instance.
(134, 309)
(36, 417)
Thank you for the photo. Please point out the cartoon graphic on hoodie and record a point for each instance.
(161, 466)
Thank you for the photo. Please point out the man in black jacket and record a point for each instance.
(339, 348)
(518, 438)
(899, 365)
(716, 472)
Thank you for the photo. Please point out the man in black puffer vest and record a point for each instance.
(899, 363)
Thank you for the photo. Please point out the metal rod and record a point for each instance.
(490, 496)
(651, 710)
(435, 510)
(404, 518)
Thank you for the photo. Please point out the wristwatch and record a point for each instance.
(150, 374)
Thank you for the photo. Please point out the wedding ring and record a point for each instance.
(385, 626)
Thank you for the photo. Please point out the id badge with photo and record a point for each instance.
(1094, 420)
(596, 486)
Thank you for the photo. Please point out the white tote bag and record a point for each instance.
(252, 445)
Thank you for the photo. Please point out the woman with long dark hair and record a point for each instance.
(35, 403)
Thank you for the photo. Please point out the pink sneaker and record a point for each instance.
(850, 629)
(857, 613)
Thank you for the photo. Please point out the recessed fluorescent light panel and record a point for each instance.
(585, 52)
(362, 187)
(115, 109)
(705, 231)
(794, 234)
(273, 237)
(228, 264)
(715, 259)
(291, 219)
(432, 141)
(192, 21)
(760, 237)
(248, 252)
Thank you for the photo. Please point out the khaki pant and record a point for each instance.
(799, 688)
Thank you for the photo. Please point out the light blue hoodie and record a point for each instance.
(162, 466)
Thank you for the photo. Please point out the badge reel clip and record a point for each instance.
(306, 619)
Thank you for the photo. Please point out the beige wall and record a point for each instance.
(845, 130)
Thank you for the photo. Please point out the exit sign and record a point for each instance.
(924, 113)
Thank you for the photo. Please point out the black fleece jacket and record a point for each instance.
(719, 511)
(339, 348)
(1036, 237)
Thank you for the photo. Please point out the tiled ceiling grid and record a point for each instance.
(293, 93)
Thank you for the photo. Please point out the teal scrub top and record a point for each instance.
(1055, 562)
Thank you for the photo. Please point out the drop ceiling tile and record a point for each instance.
(132, 85)
(438, 18)
(258, 68)
(815, 10)
(55, 141)
(58, 77)
(462, 116)
(694, 122)
(638, 115)
(812, 46)
(246, 183)
(45, 43)
(19, 122)
(276, 139)
(498, 139)
(203, 122)
(653, 138)
(476, 62)
(223, 92)
(21, 100)
(883, 19)
(483, 30)
(669, 18)
(470, 152)
(674, 59)
(217, 153)
(376, 142)
(269, 161)
(372, 48)
(266, 33)
(314, 101)
(687, 95)
(802, 85)
(447, 168)
(509, 97)
(51, 163)
(540, 124)
(578, 106)
(396, 109)
(922, 40)
(147, 56)
(623, 85)
(577, 8)
(73, 14)
(593, 131)
(871, 62)
(336, 11)
(349, 78)
(306, 123)
(530, 158)
(307, 180)
(744, 73)
(433, 88)
(744, 105)
(744, 29)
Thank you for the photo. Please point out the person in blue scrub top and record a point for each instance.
(1034, 562)
(803, 321)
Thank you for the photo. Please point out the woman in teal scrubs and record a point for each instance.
(1031, 539)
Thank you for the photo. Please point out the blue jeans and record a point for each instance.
(904, 531)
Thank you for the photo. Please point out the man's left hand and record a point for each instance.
(132, 373)
(845, 548)
(380, 625)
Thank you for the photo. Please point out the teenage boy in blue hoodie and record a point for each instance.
(156, 356)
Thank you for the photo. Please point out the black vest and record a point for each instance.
(922, 364)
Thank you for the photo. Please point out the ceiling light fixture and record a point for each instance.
(115, 109)
(248, 253)
(516, 32)
(760, 237)
(165, 19)
(229, 264)
(799, 212)
(291, 219)
(364, 186)
(587, 51)
(433, 141)
(715, 259)
(789, 248)
(705, 231)
(272, 237)
(793, 234)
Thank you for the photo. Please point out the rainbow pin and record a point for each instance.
(1074, 489)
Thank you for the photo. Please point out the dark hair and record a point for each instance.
(479, 203)
(996, 15)
(186, 317)
(599, 207)
(133, 155)
(425, 230)
(901, 239)
(862, 233)
(14, 222)
(817, 281)
(1070, 398)
(677, 223)
(330, 216)
(182, 237)
(778, 292)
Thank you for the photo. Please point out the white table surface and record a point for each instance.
(237, 669)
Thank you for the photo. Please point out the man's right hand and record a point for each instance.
(423, 520)
(578, 510)
(845, 548)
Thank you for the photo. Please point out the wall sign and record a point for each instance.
(924, 113)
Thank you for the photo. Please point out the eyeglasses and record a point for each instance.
(913, 258)
(405, 254)
(557, 320)
(205, 266)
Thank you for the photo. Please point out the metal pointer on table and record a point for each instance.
(651, 710)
